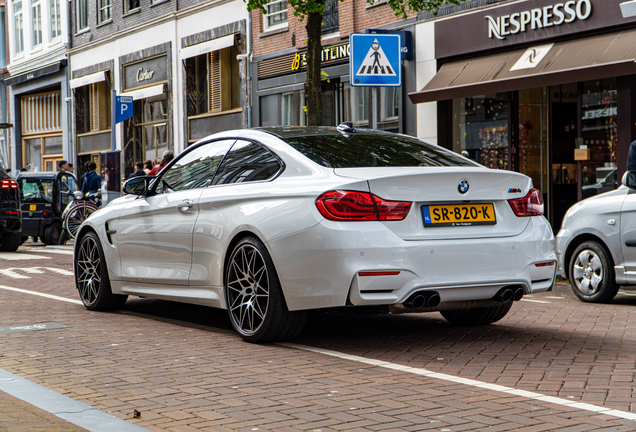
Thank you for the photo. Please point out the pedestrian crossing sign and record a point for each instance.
(375, 60)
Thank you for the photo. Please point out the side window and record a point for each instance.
(247, 162)
(194, 169)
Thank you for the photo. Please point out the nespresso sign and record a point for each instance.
(524, 22)
(538, 18)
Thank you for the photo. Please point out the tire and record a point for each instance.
(477, 316)
(76, 217)
(91, 276)
(52, 234)
(592, 274)
(10, 242)
(255, 301)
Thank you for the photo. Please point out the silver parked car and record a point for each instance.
(270, 223)
(596, 245)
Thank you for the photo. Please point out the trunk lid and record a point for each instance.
(425, 187)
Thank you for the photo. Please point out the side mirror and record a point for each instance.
(629, 179)
(137, 186)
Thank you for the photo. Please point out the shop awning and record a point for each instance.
(88, 79)
(596, 57)
(36, 73)
(206, 47)
(144, 93)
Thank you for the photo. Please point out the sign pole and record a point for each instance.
(113, 119)
(375, 107)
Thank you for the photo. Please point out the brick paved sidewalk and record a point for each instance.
(19, 416)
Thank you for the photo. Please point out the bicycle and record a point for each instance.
(78, 210)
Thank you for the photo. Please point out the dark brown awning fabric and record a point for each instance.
(596, 57)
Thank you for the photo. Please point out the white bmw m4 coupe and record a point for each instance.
(270, 223)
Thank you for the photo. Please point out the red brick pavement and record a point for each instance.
(183, 368)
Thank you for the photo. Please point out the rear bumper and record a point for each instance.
(320, 267)
(10, 225)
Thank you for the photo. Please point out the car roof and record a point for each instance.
(40, 174)
(295, 131)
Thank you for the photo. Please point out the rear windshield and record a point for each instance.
(381, 150)
(36, 190)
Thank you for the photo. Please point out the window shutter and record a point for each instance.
(215, 82)
(94, 107)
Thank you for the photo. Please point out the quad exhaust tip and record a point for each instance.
(419, 300)
(507, 294)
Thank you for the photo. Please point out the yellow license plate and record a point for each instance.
(33, 207)
(459, 215)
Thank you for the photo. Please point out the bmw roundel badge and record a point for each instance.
(463, 187)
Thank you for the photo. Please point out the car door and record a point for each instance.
(239, 188)
(154, 233)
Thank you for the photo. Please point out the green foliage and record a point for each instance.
(400, 7)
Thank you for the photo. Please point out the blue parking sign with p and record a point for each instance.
(375, 60)
(124, 107)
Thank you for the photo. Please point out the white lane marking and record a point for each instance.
(417, 371)
(49, 296)
(14, 272)
(534, 301)
(466, 381)
(10, 273)
(54, 251)
(60, 271)
(15, 256)
(553, 297)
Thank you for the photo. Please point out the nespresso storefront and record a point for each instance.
(541, 87)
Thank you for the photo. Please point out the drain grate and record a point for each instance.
(31, 327)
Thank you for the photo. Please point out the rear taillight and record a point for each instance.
(360, 206)
(391, 210)
(12, 212)
(529, 205)
(8, 184)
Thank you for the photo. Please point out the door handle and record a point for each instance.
(185, 205)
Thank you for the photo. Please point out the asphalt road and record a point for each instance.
(553, 363)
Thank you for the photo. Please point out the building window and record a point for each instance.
(302, 112)
(93, 108)
(287, 109)
(82, 14)
(42, 130)
(212, 87)
(390, 100)
(146, 132)
(130, 5)
(356, 105)
(330, 22)
(18, 23)
(480, 127)
(36, 22)
(56, 19)
(105, 10)
(276, 16)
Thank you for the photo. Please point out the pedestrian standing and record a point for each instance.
(140, 170)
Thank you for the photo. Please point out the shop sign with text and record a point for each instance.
(147, 72)
(524, 22)
(291, 63)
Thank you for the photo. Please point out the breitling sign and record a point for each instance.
(538, 18)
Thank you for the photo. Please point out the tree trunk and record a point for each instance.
(313, 87)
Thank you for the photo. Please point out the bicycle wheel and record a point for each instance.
(76, 216)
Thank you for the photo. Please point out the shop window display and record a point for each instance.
(599, 135)
(480, 127)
